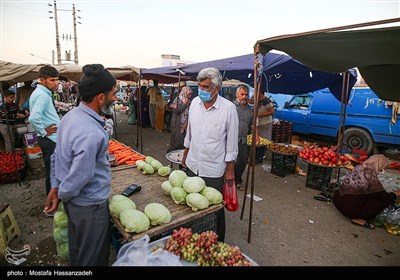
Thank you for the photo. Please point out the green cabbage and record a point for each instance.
(193, 184)
(149, 159)
(60, 234)
(118, 203)
(134, 220)
(177, 177)
(197, 201)
(147, 169)
(166, 187)
(213, 195)
(178, 195)
(157, 213)
(63, 251)
(139, 164)
(156, 164)
(164, 171)
(61, 219)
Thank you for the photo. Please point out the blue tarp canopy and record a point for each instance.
(287, 75)
(375, 52)
(282, 73)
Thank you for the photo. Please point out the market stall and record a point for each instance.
(151, 192)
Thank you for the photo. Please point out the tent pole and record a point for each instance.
(140, 110)
(343, 107)
(177, 100)
(253, 144)
(139, 115)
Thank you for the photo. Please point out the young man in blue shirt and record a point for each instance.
(43, 115)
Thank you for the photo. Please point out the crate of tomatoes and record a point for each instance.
(12, 164)
(324, 156)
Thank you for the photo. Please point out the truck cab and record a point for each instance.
(368, 118)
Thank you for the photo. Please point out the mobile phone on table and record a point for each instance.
(132, 188)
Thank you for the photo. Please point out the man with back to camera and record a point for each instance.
(43, 115)
(211, 142)
(81, 173)
(245, 115)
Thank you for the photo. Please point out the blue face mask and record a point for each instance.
(204, 95)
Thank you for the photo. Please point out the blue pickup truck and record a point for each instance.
(368, 121)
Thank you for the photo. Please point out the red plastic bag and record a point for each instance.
(230, 196)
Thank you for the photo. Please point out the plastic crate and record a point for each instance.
(283, 164)
(208, 222)
(7, 178)
(282, 132)
(318, 177)
(11, 177)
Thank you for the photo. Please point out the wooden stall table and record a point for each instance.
(151, 192)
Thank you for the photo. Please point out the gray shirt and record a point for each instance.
(79, 164)
(245, 115)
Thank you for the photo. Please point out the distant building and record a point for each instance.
(173, 60)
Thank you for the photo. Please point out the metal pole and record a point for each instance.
(253, 145)
(139, 114)
(342, 120)
(57, 36)
(172, 111)
(75, 36)
(140, 122)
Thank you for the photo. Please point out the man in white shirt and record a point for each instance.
(211, 143)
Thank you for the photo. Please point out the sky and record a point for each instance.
(133, 32)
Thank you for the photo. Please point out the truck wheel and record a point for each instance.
(358, 138)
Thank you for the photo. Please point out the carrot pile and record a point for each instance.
(123, 154)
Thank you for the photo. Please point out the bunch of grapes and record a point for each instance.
(204, 248)
(178, 240)
(200, 244)
(222, 254)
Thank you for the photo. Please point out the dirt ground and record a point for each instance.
(288, 228)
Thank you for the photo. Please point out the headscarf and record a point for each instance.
(179, 101)
(377, 162)
(363, 179)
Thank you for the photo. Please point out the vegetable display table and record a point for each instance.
(151, 192)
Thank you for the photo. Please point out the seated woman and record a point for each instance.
(361, 195)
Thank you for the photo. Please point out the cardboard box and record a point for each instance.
(30, 138)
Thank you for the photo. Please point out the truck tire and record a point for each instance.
(358, 138)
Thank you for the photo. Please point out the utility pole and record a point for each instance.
(75, 36)
(57, 36)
